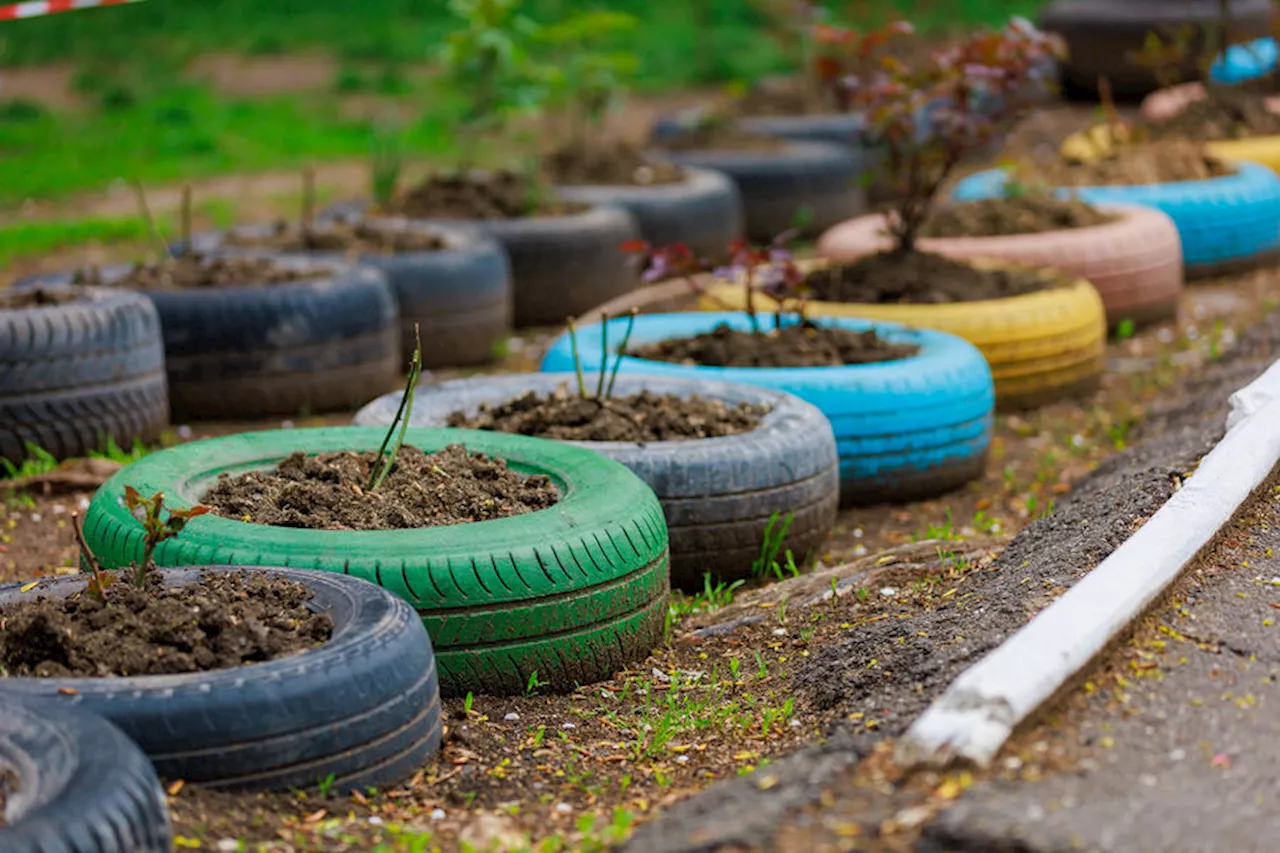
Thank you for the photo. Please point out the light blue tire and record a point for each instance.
(1248, 61)
(905, 430)
(1226, 224)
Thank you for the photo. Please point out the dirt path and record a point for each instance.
(843, 794)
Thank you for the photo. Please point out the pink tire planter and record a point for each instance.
(1135, 262)
(1164, 104)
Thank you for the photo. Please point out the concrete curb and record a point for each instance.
(980, 709)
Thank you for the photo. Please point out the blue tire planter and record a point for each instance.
(1226, 224)
(904, 429)
(1249, 61)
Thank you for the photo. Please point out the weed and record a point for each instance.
(386, 160)
(384, 461)
(533, 684)
(467, 703)
(762, 669)
(156, 529)
(771, 543)
(324, 785)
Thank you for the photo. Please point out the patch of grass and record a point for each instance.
(26, 239)
(187, 133)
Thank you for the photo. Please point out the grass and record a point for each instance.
(146, 123)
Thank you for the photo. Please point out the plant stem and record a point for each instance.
(186, 219)
(308, 199)
(152, 230)
(99, 588)
(604, 350)
(577, 362)
(622, 351)
(381, 470)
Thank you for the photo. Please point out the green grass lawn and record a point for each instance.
(145, 123)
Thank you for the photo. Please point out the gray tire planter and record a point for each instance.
(560, 265)
(1100, 34)
(704, 212)
(458, 296)
(776, 185)
(575, 592)
(74, 374)
(314, 344)
(363, 707)
(718, 494)
(83, 787)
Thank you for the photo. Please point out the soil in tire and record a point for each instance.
(1026, 214)
(641, 417)
(224, 620)
(330, 491)
(193, 270)
(362, 237)
(802, 345)
(614, 165)
(922, 278)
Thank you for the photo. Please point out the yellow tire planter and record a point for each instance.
(1259, 149)
(1041, 347)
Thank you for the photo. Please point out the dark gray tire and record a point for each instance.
(73, 375)
(560, 265)
(717, 494)
(704, 212)
(363, 708)
(777, 185)
(311, 345)
(459, 297)
(83, 787)
(1100, 34)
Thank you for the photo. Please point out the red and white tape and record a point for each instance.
(38, 8)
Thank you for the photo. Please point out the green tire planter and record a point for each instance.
(575, 592)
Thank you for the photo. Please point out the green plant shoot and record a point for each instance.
(155, 528)
(385, 461)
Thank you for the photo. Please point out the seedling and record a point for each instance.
(98, 586)
(775, 534)
(604, 390)
(386, 160)
(533, 684)
(930, 116)
(384, 461)
(591, 79)
(155, 529)
(153, 230)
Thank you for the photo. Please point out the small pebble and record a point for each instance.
(286, 425)
(437, 814)
(1148, 780)
(184, 432)
(564, 808)
(1164, 336)
(857, 533)
(888, 591)
(36, 517)
(375, 820)
(859, 550)
(58, 509)
(512, 716)
(227, 845)
(779, 632)
(84, 503)
(1178, 754)
(568, 726)
(682, 759)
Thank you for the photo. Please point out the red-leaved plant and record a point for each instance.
(769, 269)
(929, 116)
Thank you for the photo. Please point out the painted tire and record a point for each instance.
(1166, 103)
(1100, 34)
(315, 344)
(72, 375)
(1241, 62)
(704, 211)
(363, 708)
(718, 494)
(1134, 263)
(1225, 224)
(777, 185)
(904, 430)
(459, 296)
(560, 265)
(83, 787)
(574, 592)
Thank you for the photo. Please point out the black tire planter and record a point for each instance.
(311, 345)
(83, 787)
(459, 297)
(1100, 35)
(704, 212)
(73, 375)
(718, 494)
(363, 708)
(777, 184)
(560, 265)
(575, 592)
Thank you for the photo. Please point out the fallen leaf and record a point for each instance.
(174, 788)
(27, 587)
(68, 691)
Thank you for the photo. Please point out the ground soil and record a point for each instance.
(1022, 214)
(806, 345)
(38, 297)
(921, 278)
(226, 619)
(475, 195)
(1228, 113)
(1167, 161)
(616, 164)
(327, 492)
(717, 132)
(642, 417)
(360, 237)
(194, 270)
